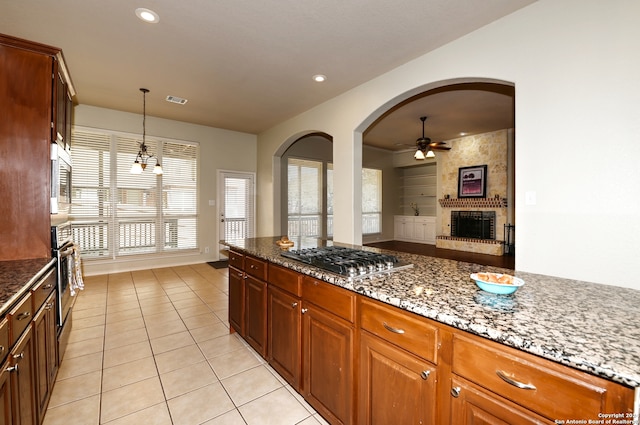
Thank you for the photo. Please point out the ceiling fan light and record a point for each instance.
(136, 167)
(430, 154)
(419, 154)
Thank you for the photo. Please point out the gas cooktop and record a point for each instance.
(347, 261)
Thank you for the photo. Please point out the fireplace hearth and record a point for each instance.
(473, 224)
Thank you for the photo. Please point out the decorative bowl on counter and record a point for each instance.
(497, 283)
(284, 243)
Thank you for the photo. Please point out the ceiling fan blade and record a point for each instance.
(440, 148)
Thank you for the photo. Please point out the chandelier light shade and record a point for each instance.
(143, 157)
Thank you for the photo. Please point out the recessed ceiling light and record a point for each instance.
(147, 15)
(319, 78)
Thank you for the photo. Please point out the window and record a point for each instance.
(115, 213)
(308, 215)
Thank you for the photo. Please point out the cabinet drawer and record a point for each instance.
(285, 279)
(236, 260)
(549, 389)
(400, 328)
(4, 339)
(19, 317)
(332, 298)
(255, 267)
(41, 290)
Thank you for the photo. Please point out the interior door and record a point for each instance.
(236, 206)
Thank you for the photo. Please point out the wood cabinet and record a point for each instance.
(46, 352)
(284, 327)
(6, 400)
(396, 351)
(23, 381)
(236, 292)
(328, 350)
(526, 386)
(27, 90)
(360, 361)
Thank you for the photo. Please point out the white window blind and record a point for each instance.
(304, 197)
(116, 213)
(371, 201)
(238, 206)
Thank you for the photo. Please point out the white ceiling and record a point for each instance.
(247, 65)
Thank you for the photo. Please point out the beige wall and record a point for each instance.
(218, 151)
(574, 67)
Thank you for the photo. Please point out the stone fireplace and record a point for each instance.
(473, 224)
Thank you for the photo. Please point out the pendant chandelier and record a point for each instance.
(142, 159)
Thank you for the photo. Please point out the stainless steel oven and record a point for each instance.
(61, 170)
(62, 251)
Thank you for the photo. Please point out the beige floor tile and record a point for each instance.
(157, 330)
(126, 354)
(171, 342)
(209, 332)
(128, 373)
(83, 334)
(268, 410)
(176, 359)
(84, 347)
(234, 362)
(314, 420)
(119, 316)
(211, 401)
(115, 308)
(131, 398)
(195, 310)
(76, 388)
(89, 322)
(89, 312)
(195, 322)
(155, 415)
(155, 319)
(186, 379)
(250, 385)
(230, 418)
(127, 337)
(186, 294)
(123, 326)
(81, 412)
(189, 302)
(79, 365)
(221, 345)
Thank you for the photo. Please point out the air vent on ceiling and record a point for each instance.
(176, 99)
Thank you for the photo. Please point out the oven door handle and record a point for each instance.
(66, 252)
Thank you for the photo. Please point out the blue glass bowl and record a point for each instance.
(498, 288)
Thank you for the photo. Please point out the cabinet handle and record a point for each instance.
(19, 356)
(455, 392)
(1, 348)
(513, 382)
(425, 374)
(45, 287)
(392, 329)
(12, 368)
(304, 310)
(23, 315)
(294, 305)
(48, 306)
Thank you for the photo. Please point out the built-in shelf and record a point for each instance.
(473, 203)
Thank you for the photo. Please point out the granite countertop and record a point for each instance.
(18, 276)
(591, 327)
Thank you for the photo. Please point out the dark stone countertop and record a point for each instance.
(590, 327)
(18, 276)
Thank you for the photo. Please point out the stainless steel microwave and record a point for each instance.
(61, 169)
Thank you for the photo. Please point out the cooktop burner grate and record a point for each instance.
(347, 261)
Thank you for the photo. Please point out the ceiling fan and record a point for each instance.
(425, 146)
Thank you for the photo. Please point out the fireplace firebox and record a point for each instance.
(473, 224)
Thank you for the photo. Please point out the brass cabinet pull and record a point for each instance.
(506, 378)
(425, 374)
(392, 329)
(12, 368)
(18, 356)
(294, 305)
(455, 391)
(304, 310)
(23, 315)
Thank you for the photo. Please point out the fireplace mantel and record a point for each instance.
(473, 203)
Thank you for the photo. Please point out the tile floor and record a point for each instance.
(153, 347)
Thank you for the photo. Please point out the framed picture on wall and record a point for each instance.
(472, 182)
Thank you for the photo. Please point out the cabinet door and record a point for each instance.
(472, 405)
(236, 300)
(403, 228)
(424, 230)
(5, 395)
(45, 352)
(284, 335)
(255, 325)
(395, 386)
(23, 382)
(327, 364)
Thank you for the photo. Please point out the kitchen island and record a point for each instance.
(582, 326)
